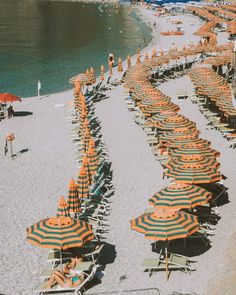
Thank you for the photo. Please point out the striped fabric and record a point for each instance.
(180, 196)
(63, 208)
(83, 127)
(190, 149)
(157, 108)
(83, 183)
(154, 120)
(192, 159)
(86, 139)
(73, 197)
(179, 225)
(85, 164)
(179, 133)
(194, 174)
(59, 233)
(175, 121)
(178, 143)
(92, 161)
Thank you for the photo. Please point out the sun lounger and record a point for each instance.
(174, 262)
(80, 267)
(56, 256)
(40, 288)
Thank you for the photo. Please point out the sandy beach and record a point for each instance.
(39, 174)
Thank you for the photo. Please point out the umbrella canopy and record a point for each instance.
(194, 148)
(180, 196)
(179, 133)
(194, 174)
(156, 227)
(86, 139)
(172, 122)
(73, 197)
(92, 161)
(192, 159)
(59, 233)
(7, 97)
(178, 143)
(158, 108)
(63, 207)
(85, 164)
(83, 183)
(154, 120)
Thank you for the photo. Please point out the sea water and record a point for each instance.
(52, 41)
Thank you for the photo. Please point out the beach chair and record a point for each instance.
(95, 254)
(174, 262)
(40, 288)
(57, 256)
(84, 266)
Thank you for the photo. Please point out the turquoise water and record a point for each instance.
(51, 41)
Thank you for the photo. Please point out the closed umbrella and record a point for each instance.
(63, 207)
(92, 161)
(73, 197)
(83, 184)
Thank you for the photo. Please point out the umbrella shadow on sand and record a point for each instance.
(219, 193)
(191, 247)
(108, 256)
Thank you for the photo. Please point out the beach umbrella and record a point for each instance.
(86, 139)
(138, 61)
(8, 97)
(194, 148)
(179, 133)
(192, 159)
(194, 174)
(102, 70)
(120, 66)
(83, 78)
(83, 183)
(63, 207)
(85, 164)
(73, 197)
(179, 143)
(166, 226)
(128, 62)
(173, 122)
(92, 76)
(60, 233)
(110, 70)
(158, 107)
(154, 53)
(154, 120)
(92, 161)
(146, 59)
(180, 196)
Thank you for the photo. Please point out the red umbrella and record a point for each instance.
(7, 97)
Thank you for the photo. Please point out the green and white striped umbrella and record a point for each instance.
(180, 196)
(161, 228)
(59, 233)
(154, 120)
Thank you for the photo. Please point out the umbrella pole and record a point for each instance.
(166, 258)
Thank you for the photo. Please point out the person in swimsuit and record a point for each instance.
(58, 277)
(70, 266)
